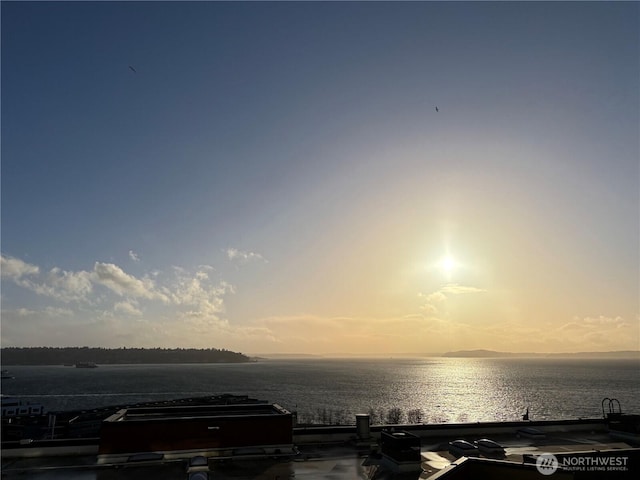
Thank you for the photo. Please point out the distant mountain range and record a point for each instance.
(494, 354)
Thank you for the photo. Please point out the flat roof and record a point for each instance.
(199, 411)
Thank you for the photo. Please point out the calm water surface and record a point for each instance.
(444, 389)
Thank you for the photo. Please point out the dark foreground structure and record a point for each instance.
(235, 437)
(183, 431)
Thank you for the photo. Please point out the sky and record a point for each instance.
(275, 178)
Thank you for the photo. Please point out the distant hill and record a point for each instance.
(480, 354)
(106, 356)
(284, 356)
(494, 354)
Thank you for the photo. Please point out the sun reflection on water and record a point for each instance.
(440, 389)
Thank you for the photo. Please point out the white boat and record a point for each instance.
(462, 448)
(486, 445)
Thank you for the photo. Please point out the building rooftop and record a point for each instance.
(239, 438)
(198, 411)
(344, 460)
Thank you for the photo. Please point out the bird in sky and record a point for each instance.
(132, 69)
(437, 109)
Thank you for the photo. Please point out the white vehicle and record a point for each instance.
(489, 446)
(462, 448)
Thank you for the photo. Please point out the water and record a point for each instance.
(443, 389)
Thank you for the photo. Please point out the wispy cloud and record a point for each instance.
(435, 301)
(618, 322)
(455, 289)
(240, 256)
(48, 312)
(134, 256)
(313, 333)
(599, 332)
(579, 334)
(127, 308)
(123, 284)
(590, 324)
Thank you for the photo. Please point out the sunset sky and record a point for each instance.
(274, 177)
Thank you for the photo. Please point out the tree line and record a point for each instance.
(380, 416)
(73, 355)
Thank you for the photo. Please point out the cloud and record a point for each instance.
(440, 295)
(47, 312)
(599, 333)
(134, 256)
(436, 301)
(193, 294)
(595, 323)
(572, 326)
(15, 269)
(602, 320)
(351, 335)
(435, 297)
(127, 308)
(123, 284)
(234, 254)
(456, 289)
(577, 335)
(186, 307)
(59, 284)
(196, 291)
(66, 286)
(429, 309)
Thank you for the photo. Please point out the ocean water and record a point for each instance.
(334, 390)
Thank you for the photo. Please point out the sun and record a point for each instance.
(448, 264)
